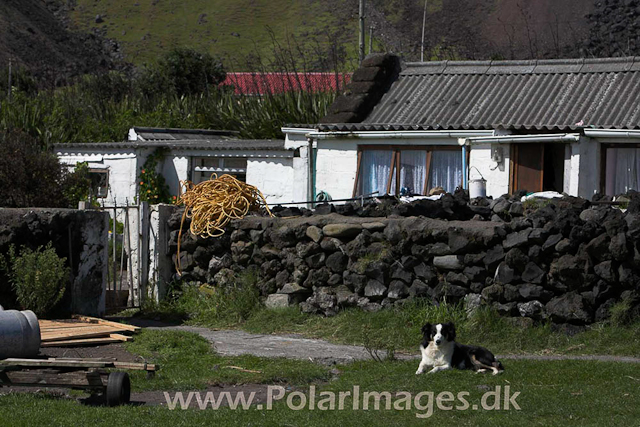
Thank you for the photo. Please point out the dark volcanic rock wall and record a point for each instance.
(78, 236)
(563, 260)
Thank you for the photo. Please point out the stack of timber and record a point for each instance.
(83, 330)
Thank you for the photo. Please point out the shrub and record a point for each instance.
(39, 277)
(623, 313)
(226, 305)
(152, 185)
(29, 175)
(76, 186)
(182, 71)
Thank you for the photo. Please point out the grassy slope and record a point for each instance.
(551, 393)
(154, 25)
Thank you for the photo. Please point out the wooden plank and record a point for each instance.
(106, 322)
(120, 337)
(75, 363)
(136, 366)
(84, 380)
(86, 341)
(78, 335)
(53, 363)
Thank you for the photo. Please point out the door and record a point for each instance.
(527, 167)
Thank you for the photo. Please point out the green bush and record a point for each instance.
(182, 71)
(29, 175)
(219, 305)
(39, 277)
(152, 185)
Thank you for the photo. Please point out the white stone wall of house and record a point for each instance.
(335, 168)
(491, 162)
(122, 166)
(274, 177)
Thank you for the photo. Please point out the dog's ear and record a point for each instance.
(426, 329)
(451, 328)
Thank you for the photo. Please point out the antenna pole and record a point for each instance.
(362, 30)
(9, 88)
(424, 20)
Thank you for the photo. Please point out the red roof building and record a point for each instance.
(269, 83)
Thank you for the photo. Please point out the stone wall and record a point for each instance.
(568, 261)
(78, 236)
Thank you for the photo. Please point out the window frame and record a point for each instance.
(395, 161)
(603, 161)
(220, 170)
(92, 170)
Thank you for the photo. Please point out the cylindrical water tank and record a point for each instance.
(19, 334)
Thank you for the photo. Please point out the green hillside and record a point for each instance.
(232, 29)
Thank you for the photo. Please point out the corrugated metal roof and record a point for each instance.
(176, 134)
(270, 83)
(227, 144)
(543, 94)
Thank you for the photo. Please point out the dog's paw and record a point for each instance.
(418, 372)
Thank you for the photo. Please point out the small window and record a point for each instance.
(407, 170)
(99, 182)
(204, 167)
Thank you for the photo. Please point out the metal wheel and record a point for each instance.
(118, 389)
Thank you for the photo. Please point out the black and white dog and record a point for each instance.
(440, 350)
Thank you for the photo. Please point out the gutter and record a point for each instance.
(612, 133)
(297, 131)
(398, 134)
(514, 139)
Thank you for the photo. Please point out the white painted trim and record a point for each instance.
(297, 131)
(364, 135)
(249, 154)
(514, 139)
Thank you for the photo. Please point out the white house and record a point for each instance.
(570, 126)
(190, 155)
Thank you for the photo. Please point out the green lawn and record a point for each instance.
(399, 328)
(187, 362)
(550, 393)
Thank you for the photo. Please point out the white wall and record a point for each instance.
(496, 174)
(176, 168)
(335, 167)
(274, 178)
(585, 169)
(123, 170)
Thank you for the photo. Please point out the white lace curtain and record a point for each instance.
(413, 170)
(375, 167)
(623, 171)
(374, 171)
(446, 170)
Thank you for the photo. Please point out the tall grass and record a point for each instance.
(72, 115)
(100, 108)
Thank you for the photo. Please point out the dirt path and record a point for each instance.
(235, 343)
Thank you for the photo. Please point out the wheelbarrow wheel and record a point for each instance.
(118, 389)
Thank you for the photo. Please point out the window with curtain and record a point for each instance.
(375, 167)
(622, 170)
(395, 170)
